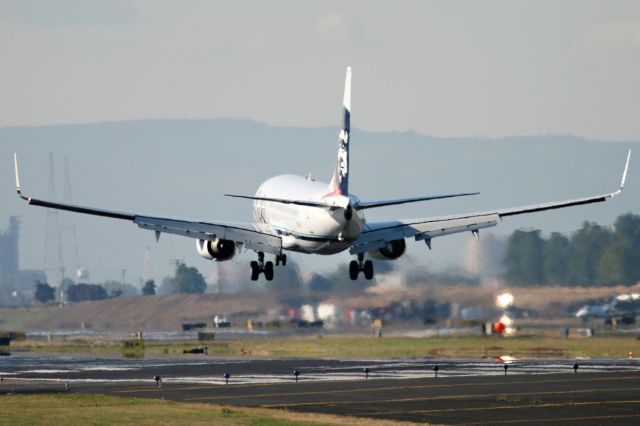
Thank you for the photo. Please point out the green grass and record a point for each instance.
(51, 409)
(346, 347)
(400, 347)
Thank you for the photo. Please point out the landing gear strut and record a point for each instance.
(261, 266)
(355, 266)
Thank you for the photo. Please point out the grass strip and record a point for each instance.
(76, 409)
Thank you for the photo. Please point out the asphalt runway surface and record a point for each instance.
(603, 391)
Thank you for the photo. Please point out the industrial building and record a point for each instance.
(16, 285)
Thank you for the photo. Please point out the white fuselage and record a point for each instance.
(309, 229)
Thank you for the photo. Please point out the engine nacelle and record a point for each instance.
(217, 249)
(393, 250)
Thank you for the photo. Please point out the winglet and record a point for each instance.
(626, 167)
(18, 188)
(624, 174)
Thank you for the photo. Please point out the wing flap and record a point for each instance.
(246, 234)
(420, 230)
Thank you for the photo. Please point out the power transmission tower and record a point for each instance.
(68, 229)
(53, 260)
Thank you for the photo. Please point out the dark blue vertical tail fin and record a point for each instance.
(340, 180)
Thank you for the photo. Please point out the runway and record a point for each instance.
(603, 391)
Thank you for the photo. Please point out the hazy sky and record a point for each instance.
(449, 68)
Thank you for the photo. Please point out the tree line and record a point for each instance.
(593, 255)
(186, 280)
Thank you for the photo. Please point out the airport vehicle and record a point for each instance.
(623, 307)
(298, 214)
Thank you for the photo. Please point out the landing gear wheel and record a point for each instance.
(255, 270)
(268, 271)
(368, 269)
(354, 269)
(281, 258)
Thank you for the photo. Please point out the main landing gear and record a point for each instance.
(257, 267)
(261, 266)
(366, 266)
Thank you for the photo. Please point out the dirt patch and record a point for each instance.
(151, 313)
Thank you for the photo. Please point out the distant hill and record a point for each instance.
(181, 168)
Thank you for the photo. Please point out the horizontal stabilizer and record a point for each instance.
(335, 201)
(384, 203)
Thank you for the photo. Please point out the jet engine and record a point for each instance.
(393, 250)
(216, 249)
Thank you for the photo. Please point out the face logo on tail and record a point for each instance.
(343, 152)
(340, 180)
(342, 164)
(344, 137)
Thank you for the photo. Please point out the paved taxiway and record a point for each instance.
(602, 392)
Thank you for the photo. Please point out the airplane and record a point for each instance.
(621, 306)
(300, 214)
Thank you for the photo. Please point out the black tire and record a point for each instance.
(268, 271)
(354, 269)
(255, 270)
(368, 269)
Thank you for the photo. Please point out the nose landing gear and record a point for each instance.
(261, 266)
(355, 266)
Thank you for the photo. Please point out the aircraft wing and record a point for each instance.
(378, 234)
(253, 236)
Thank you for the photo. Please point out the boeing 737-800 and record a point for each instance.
(298, 214)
